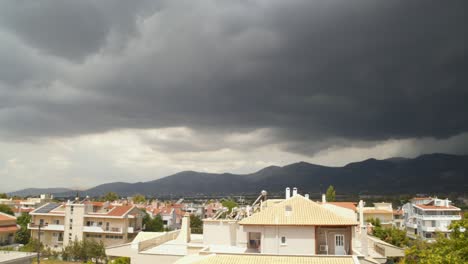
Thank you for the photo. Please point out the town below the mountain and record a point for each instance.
(294, 227)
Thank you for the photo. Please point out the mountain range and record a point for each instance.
(431, 173)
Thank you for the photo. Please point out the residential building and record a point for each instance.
(61, 224)
(425, 216)
(382, 211)
(8, 229)
(211, 209)
(295, 230)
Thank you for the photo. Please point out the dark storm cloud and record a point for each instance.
(314, 72)
(71, 29)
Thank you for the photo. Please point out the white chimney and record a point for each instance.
(306, 196)
(363, 227)
(324, 198)
(447, 202)
(294, 191)
(361, 213)
(288, 193)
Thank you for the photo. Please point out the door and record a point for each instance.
(339, 245)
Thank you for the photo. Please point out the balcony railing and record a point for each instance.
(47, 227)
(100, 229)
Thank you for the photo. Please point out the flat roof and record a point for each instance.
(266, 259)
(13, 256)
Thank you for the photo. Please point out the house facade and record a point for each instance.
(295, 226)
(8, 229)
(423, 217)
(60, 224)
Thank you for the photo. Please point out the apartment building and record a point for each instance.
(424, 216)
(382, 211)
(61, 224)
(8, 229)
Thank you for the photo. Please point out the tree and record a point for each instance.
(196, 224)
(228, 203)
(85, 250)
(391, 235)
(23, 235)
(110, 196)
(330, 194)
(138, 199)
(3, 196)
(155, 225)
(121, 260)
(6, 209)
(444, 250)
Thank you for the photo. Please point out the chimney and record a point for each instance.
(288, 193)
(184, 234)
(324, 198)
(447, 202)
(363, 227)
(306, 196)
(294, 191)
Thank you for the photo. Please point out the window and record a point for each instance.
(283, 240)
(57, 222)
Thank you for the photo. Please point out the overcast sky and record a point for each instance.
(117, 90)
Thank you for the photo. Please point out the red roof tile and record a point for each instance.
(12, 228)
(120, 210)
(425, 206)
(6, 217)
(348, 205)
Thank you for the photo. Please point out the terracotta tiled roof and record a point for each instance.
(6, 217)
(348, 205)
(12, 228)
(22, 210)
(434, 207)
(297, 210)
(120, 210)
(258, 259)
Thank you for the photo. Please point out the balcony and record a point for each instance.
(46, 227)
(438, 217)
(132, 229)
(434, 229)
(99, 229)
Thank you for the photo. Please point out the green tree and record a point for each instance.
(3, 196)
(155, 225)
(391, 235)
(444, 250)
(139, 199)
(110, 196)
(121, 260)
(6, 209)
(196, 224)
(85, 251)
(23, 235)
(330, 194)
(229, 203)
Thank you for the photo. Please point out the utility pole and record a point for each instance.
(39, 241)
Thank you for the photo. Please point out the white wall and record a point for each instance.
(220, 233)
(299, 239)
